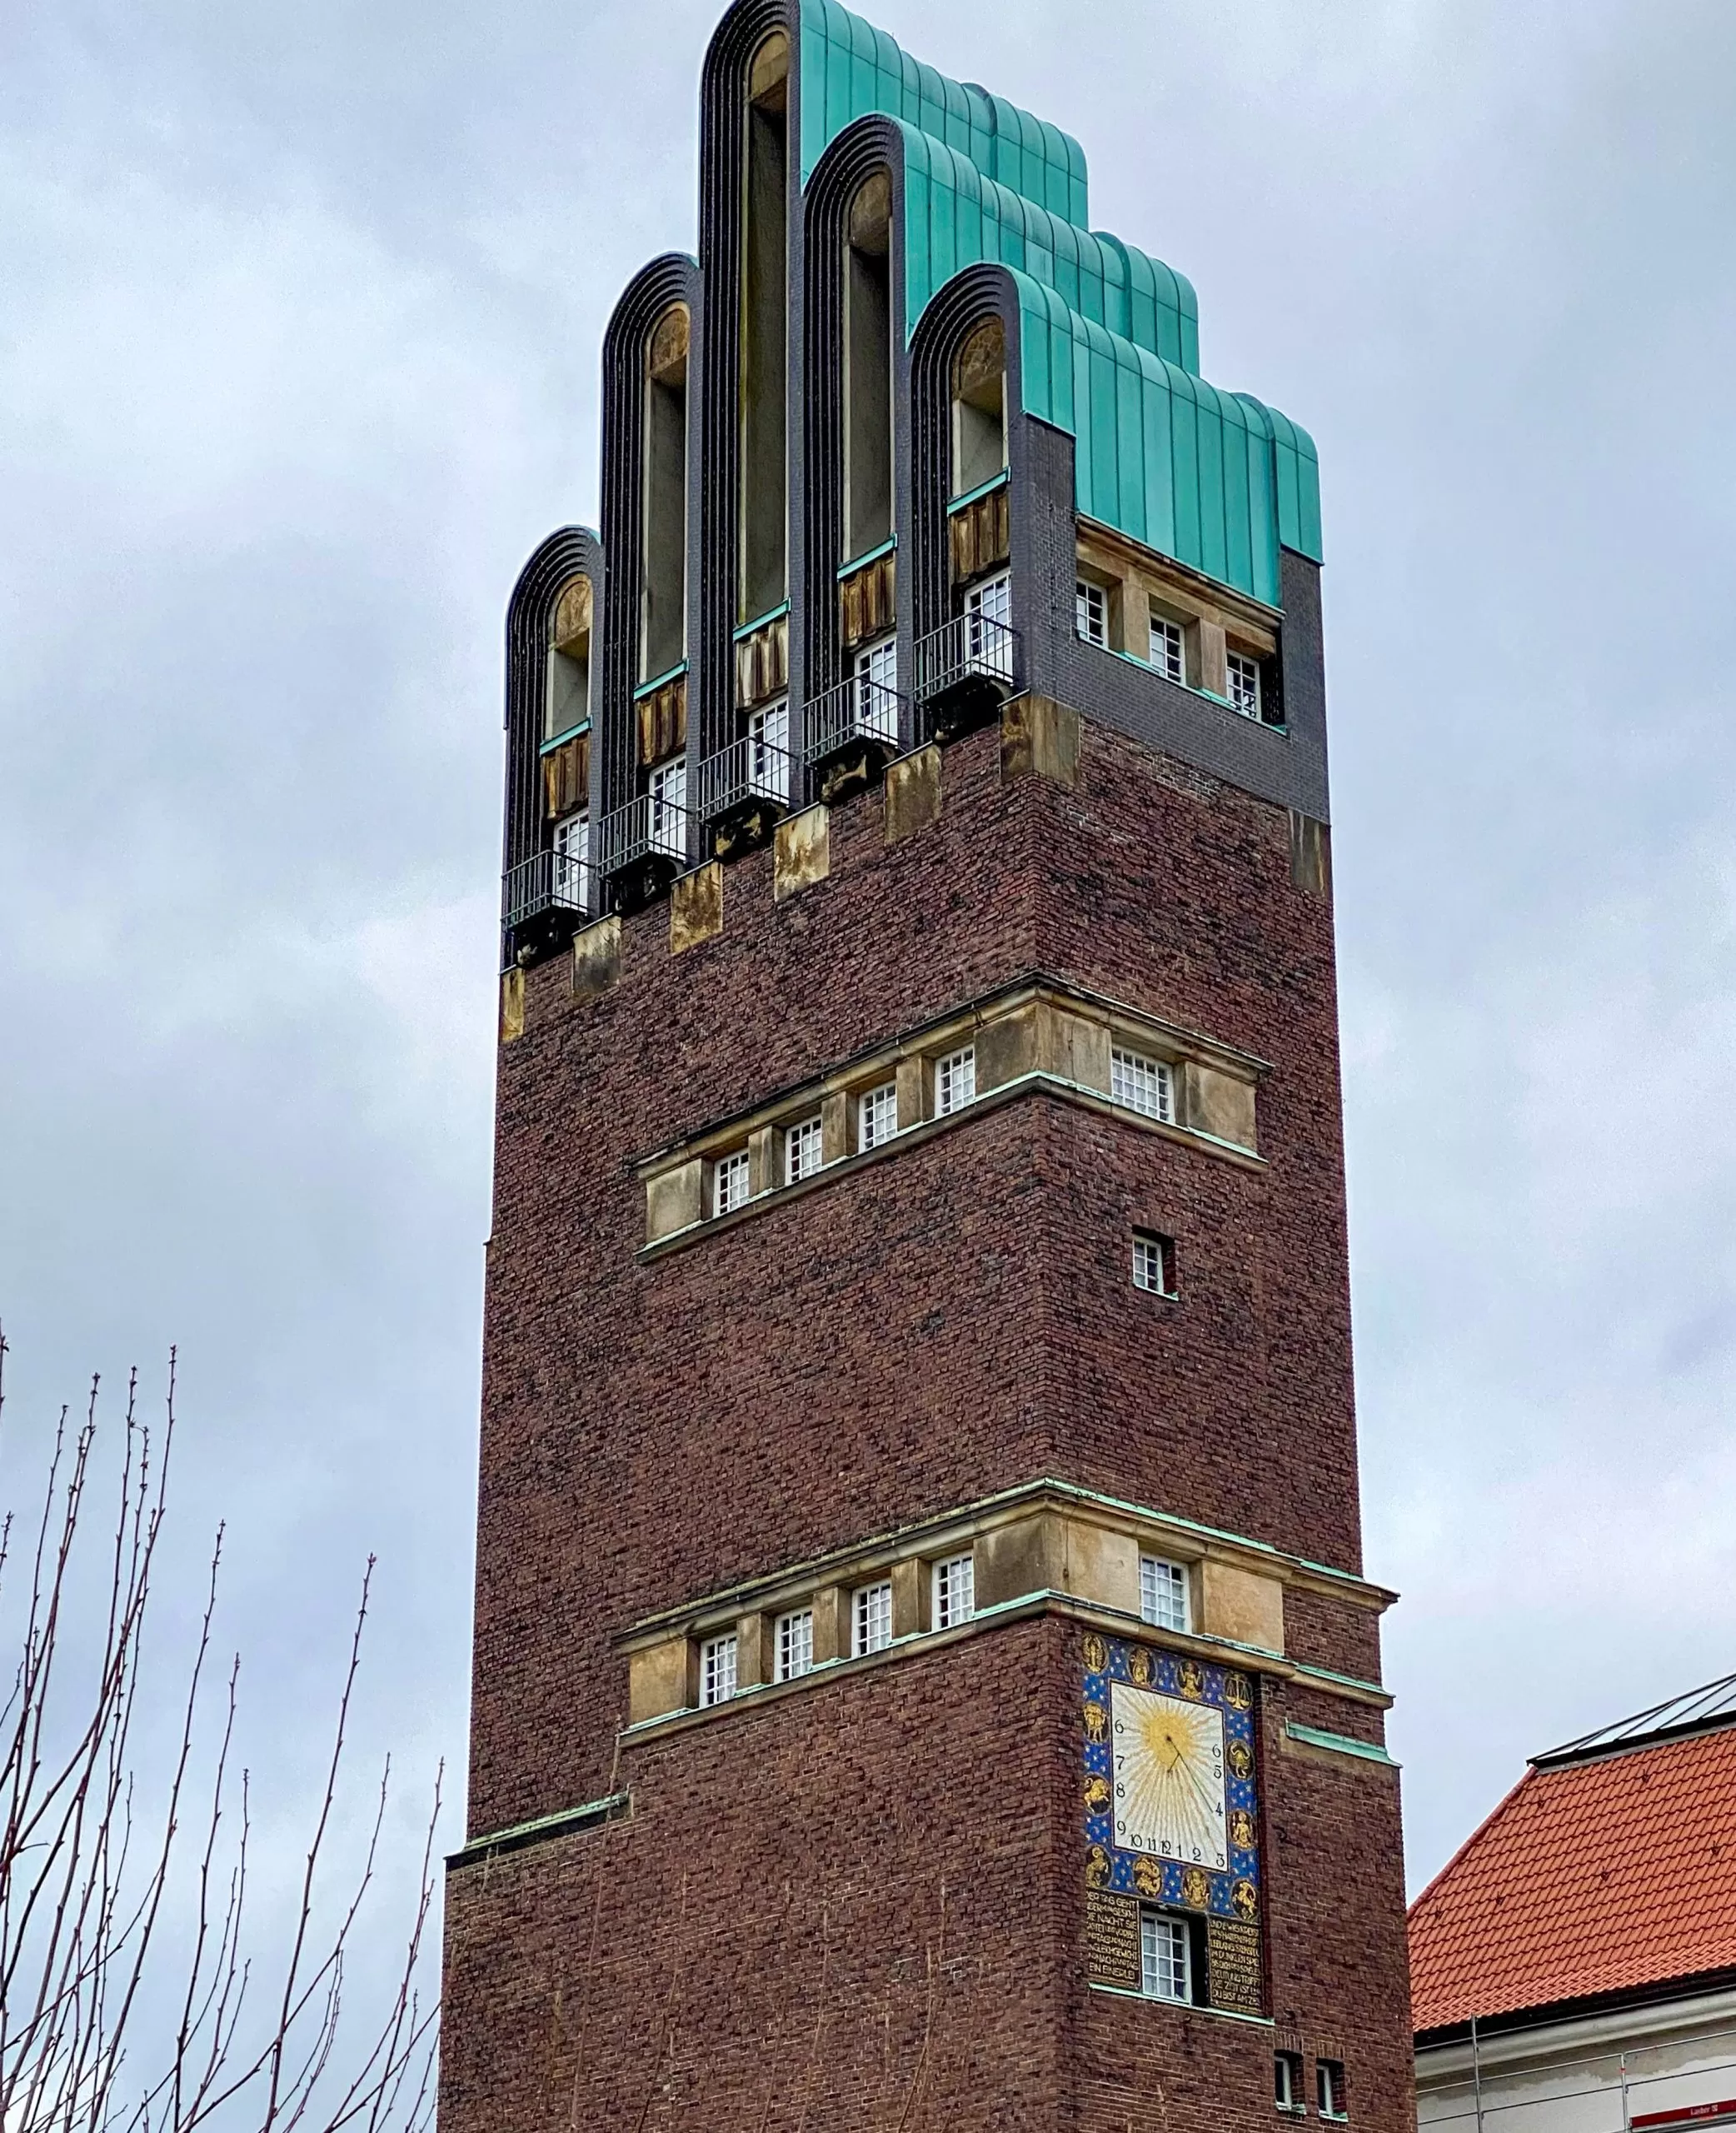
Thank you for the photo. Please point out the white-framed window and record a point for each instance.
(1166, 1965)
(955, 1591)
(955, 1081)
(1154, 1263)
(1164, 1592)
(667, 809)
(1244, 684)
(1328, 2081)
(1091, 611)
(729, 1183)
(876, 691)
(877, 1116)
(795, 1644)
(1167, 654)
(768, 753)
(571, 882)
(1287, 2081)
(717, 1670)
(802, 1151)
(870, 1618)
(1145, 1085)
(988, 627)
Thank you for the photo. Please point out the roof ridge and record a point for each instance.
(1483, 1829)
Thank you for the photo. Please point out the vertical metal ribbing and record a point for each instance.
(530, 619)
(956, 311)
(672, 279)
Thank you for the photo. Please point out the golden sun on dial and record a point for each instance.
(1169, 1776)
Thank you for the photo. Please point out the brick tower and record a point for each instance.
(924, 1673)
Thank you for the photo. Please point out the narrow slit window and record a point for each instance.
(1154, 1263)
(729, 1183)
(1164, 1594)
(795, 1644)
(876, 691)
(667, 809)
(877, 1116)
(955, 1591)
(663, 524)
(1167, 651)
(955, 1081)
(763, 535)
(1329, 2087)
(802, 1151)
(868, 369)
(1244, 674)
(870, 1628)
(979, 408)
(1142, 1084)
(571, 883)
(1287, 2081)
(716, 1669)
(1091, 611)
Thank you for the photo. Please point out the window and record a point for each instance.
(571, 882)
(1166, 652)
(760, 511)
(768, 753)
(870, 1628)
(955, 1081)
(1329, 2080)
(663, 512)
(1287, 2081)
(729, 1183)
(987, 627)
(1166, 1967)
(795, 1644)
(955, 1591)
(877, 1116)
(717, 1670)
(802, 1151)
(876, 691)
(1091, 611)
(1244, 684)
(1143, 1085)
(666, 828)
(1154, 1263)
(868, 369)
(1164, 1594)
(979, 408)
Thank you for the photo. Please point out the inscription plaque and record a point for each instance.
(1112, 1939)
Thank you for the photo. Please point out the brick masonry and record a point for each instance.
(760, 1944)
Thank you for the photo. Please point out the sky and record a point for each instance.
(299, 359)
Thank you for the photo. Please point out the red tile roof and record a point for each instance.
(1590, 1877)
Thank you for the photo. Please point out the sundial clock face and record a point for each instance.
(1168, 1777)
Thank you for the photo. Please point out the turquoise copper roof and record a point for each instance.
(1110, 336)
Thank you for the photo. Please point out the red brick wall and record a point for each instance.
(762, 1943)
(948, 1322)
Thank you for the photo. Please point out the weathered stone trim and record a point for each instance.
(568, 1822)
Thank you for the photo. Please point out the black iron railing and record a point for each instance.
(547, 882)
(653, 827)
(749, 771)
(972, 648)
(856, 709)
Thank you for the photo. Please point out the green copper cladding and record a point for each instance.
(1110, 336)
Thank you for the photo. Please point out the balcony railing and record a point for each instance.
(547, 882)
(972, 650)
(747, 773)
(652, 827)
(856, 709)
